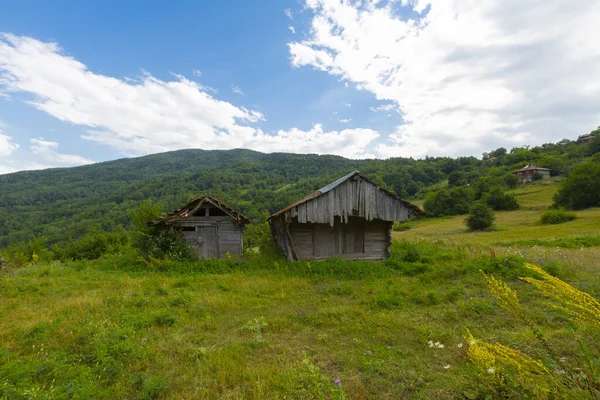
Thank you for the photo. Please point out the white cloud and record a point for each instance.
(149, 115)
(197, 72)
(7, 146)
(236, 90)
(466, 75)
(348, 142)
(48, 151)
(347, 105)
(291, 28)
(288, 13)
(383, 107)
(345, 120)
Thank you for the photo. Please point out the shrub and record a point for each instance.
(511, 180)
(453, 201)
(498, 200)
(481, 217)
(581, 189)
(157, 242)
(21, 254)
(557, 216)
(93, 245)
(401, 226)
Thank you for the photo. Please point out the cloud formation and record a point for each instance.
(7, 146)
(48, 151)
(466, 75)
(149, 115)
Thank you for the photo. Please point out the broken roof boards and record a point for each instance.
(209, 226)
(351, 217)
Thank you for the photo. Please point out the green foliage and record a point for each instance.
(498, 200)
(593, 147)
(63, 204)
(511, 180)
(453, 201)
(581, 189)
(401, 226)
(34, 250)
(480, 217)
(93, 245)
(257, 236)
(157, 242)
(556, 216)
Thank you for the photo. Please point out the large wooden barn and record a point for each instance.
(351, 217)
(209, 226)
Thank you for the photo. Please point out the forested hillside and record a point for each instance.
(61, 204)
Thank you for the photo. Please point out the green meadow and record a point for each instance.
(260, 328)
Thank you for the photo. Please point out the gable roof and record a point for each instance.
(531, 167)
(193, 205)
(333, 185)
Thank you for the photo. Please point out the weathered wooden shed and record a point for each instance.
(351, 217)
(209, 226)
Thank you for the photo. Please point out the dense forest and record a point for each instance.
(64, 203)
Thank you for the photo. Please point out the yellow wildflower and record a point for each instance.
(575, 302)
(506, 296)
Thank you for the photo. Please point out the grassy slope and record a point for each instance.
(511, 225)
(112, 334)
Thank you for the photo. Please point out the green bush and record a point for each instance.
(557, 216)
(498, 200)
(21, 254)
(581, 189)
(481, 217)
(453, 201)
(94, 245)
(157, 242)
(401, 226)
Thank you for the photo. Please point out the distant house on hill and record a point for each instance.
(586, 139)
(208, 225)
(351, 217)
(527, 173)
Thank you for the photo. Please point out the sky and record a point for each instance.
(84, 82)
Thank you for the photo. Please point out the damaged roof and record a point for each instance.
(193, 205)
(337, 183)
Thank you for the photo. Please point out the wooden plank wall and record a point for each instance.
(229, 233)
(355, 197)
(357, 239)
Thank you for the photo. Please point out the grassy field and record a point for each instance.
(260, 329)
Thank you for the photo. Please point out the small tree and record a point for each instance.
(157, 242)
(480, 217)
(581, 189)
(511, 180)
(498, 200)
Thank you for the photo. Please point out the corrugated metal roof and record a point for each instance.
(338, 182)
(335, 184)
(195, 203)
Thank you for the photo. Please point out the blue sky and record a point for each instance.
(85, 82)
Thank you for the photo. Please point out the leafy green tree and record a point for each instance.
(581, 189)
(511, 180)
(161, 242)
(457, 178)
(593, 147)
(498, 200)
(480, 217)
(453, 201)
